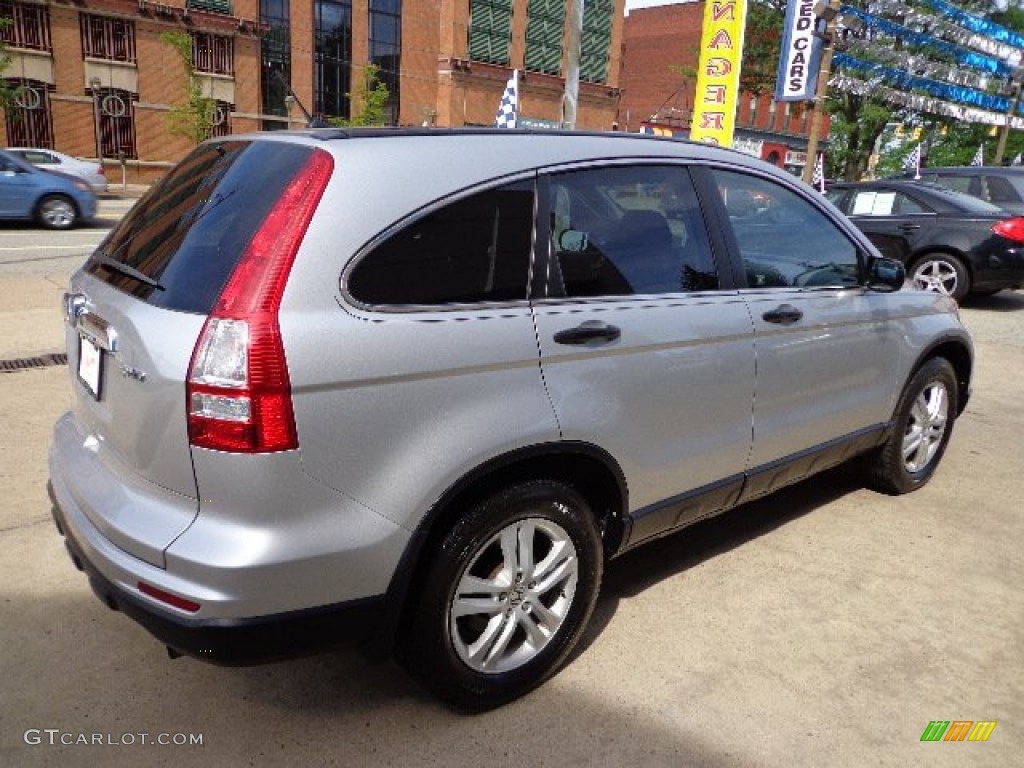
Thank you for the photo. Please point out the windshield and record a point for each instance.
(183, 239)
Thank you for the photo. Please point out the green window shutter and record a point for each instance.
(490, 30)
(545, 23)
(211, 6)
(597, 39)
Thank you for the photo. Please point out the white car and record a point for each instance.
(58, 161)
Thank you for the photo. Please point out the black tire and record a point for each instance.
(462, 659)
(922, 427)
(941, 273)
(56, 212)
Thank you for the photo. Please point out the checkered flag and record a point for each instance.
(912, 162)
(979, 156)
(508, 109)
(818, 178)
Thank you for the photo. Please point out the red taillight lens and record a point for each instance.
(238, 392)
(100, 171)
(1011, 229)
(166, 597)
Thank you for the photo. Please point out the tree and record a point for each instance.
(371, 96)
(196, 118)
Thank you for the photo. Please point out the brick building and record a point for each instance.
(97, 78)
(660, 46)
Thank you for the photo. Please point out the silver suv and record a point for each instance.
(420, 387)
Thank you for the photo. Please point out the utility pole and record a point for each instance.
(830, 13)
(1004, 134)
(572, 73)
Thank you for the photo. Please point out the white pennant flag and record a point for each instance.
(979, 156)
(912, 162)
(508, 109)
(818, 178)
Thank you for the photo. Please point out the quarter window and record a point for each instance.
(783, 240)
(473, 250)
(629, 230)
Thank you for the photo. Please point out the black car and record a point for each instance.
(1002, 186)
(951, 242)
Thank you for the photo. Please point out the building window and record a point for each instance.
(222, 119)
(213, 54)
(386, 50)
(29, 122)
(545, 22)
(116, 110)
(596, 40)
(753, 110)
(29, 27)
(106, 38)
(332, 73)
(275, 60)
(490, 30)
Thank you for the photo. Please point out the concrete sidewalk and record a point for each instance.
(32, 314)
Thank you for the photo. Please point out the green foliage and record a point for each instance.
(7, 93)
(195, 119)
(855, 126)
(371, 96)
(762, 45)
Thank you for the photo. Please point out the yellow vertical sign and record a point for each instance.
(718, 75)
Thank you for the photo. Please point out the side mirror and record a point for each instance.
(886, 275)
(573, 241)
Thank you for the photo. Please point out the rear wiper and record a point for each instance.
(124, 269)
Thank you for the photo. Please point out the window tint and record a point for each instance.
(783, 239)
(190, 230)
(1001, 191)
(475, 249)
(966, 184)
(629, 230)
(907, 204)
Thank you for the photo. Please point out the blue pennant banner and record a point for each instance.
(961, 56)
(975, 23)
(906, 81)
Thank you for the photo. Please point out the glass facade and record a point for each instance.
(386, 50)
(332, 66)
(275, 60)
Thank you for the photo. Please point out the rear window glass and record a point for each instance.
(188, 233)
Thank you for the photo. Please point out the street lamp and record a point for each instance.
(95, 84)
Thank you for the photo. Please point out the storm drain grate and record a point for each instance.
(30, 363)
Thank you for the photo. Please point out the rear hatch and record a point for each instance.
(136, 310)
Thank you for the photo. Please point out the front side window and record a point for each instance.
(476, 249)
(629, 230)
(783, 240)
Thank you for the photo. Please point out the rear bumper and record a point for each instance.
(231, 642)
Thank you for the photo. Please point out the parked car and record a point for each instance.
(54, 200)
(51, 160)
(951, 242)
(418, 387)
(1003, 186)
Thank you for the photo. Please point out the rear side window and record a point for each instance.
(473, 250)
(1001, 191)
(189, 232)
(785, 241)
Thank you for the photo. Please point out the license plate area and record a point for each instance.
(90, 366)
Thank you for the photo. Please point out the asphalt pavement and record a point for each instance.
(824, 626)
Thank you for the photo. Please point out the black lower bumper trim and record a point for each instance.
(235, 642)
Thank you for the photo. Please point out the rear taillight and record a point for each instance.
(100, 171)
(1011, 229)
(238, 392)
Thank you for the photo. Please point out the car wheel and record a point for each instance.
(921, 430)
(941, 273)
(56, 212)
(506, 596)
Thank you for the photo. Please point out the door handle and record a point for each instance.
(591, 330)
(784, 314)
(909, 227)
